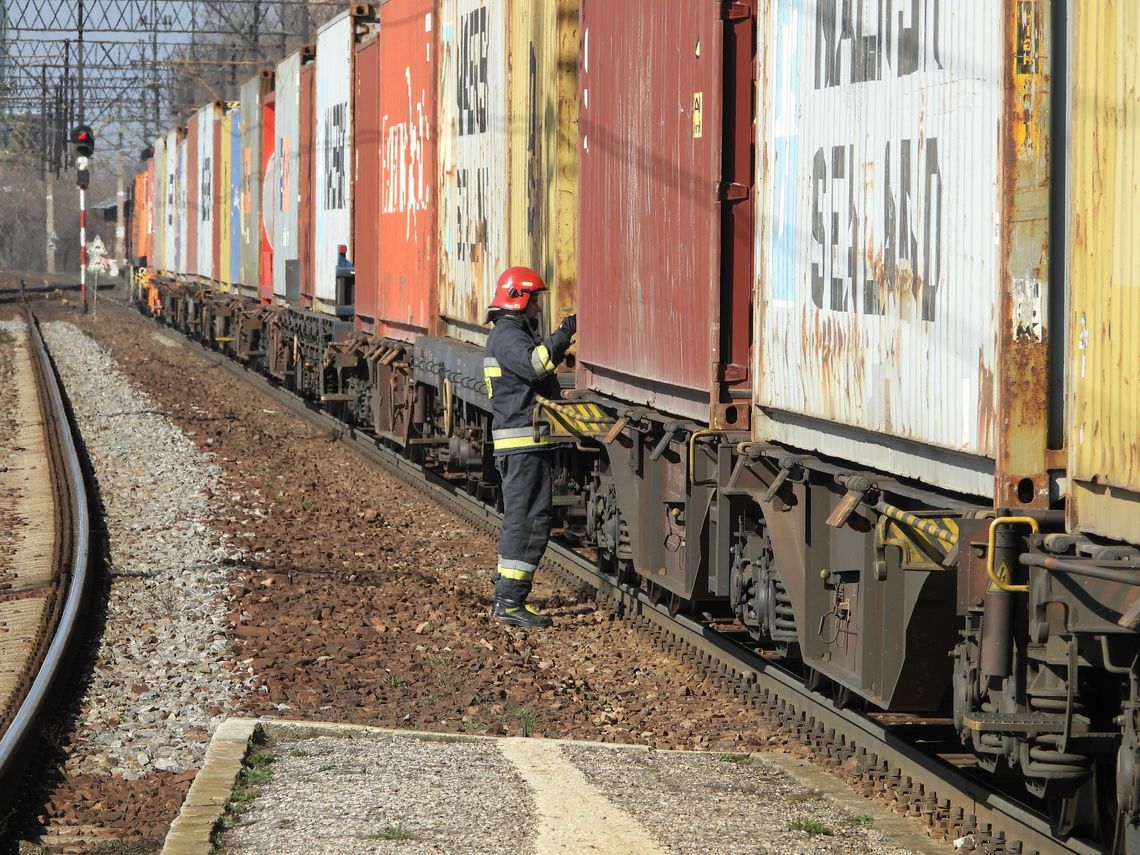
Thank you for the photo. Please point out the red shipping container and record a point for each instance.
(142, 227)
(366, 130)
(664, 248)
(408, 176)
(305, 200)
(193, 206)
(268, 143)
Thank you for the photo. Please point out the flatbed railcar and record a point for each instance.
(856, 363)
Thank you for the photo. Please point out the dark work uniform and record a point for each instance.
(519, 366)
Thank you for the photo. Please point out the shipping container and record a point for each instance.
(1104, 271)
(403, 290)
(233, 198)
(159, 212)
(544, 147)
(142, 223)
(208, 190)
(333, 167)
(249, 170)
(366, 127)
(181, 210)
(474, 161)
(193, 202)
(901, 251)
(284, 188)
(306, 189)
(228, 213)
(663, 278)
(267, 224)
(172, 191)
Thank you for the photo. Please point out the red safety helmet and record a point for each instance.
(514, 290)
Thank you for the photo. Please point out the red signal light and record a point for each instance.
(341, 249)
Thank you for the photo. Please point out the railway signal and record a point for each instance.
(83, 141)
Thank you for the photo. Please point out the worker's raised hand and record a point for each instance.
(569, 324)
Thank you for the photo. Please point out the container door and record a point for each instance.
(193, 204)
(1104, 310)
(474, 168)
(332, 197)
(270, 287)
(650, 149)
(366, 124)
(305, 185)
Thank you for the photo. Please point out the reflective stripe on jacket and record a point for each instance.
(518, 367)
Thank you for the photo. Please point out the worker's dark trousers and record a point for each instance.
(527, 508)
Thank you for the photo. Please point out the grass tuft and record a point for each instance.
(392, 832)
(811, 826)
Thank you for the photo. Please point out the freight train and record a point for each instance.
(857, 365)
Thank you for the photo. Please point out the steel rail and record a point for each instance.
(931, 789)
(23, 732)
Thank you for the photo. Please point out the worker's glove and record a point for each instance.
(569, 325)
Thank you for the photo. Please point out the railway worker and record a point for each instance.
(519, 365)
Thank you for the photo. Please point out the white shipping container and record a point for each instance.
(207, 166)
(173, 223)
(473, 160)
(879, 210)
(333, 167)
(181, 262)
(283, 177)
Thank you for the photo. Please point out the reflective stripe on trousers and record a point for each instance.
(528, 507)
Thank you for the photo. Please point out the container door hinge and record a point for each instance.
(730, 10)
(730, 191)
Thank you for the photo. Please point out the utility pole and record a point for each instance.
(121, 206)
(49, 197)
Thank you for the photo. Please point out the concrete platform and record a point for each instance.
(336, 788)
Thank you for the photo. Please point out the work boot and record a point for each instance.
(518, 613)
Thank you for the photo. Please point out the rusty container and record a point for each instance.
(474, 160)
(248, 169)
(282, 179)
(665, 119)
(507, 85)
(305, 189)
(544, 146)
(403, 284)
(193, 204)
(902, 248)
(1104, 272)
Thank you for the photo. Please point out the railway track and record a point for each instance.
(44, 560)
(887, 757)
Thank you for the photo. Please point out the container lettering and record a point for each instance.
(335, 142)
(471, 91)
(858, 41)
(403, 168)
(848, 272)
(471, 225)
